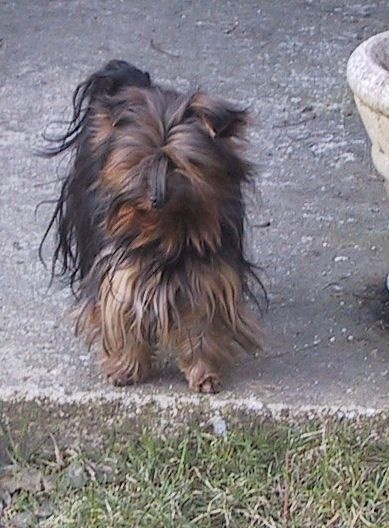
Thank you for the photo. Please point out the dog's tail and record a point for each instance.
(115, 75)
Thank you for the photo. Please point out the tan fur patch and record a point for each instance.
(205, 321)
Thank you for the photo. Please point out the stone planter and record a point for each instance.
(368, 77)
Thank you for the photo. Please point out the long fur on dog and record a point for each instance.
(150, 225)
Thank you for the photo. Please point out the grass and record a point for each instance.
(334, 475)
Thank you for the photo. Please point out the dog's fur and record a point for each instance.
(150, 226)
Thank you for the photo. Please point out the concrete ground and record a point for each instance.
(318, 222)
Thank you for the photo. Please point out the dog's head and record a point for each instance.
(171, 167)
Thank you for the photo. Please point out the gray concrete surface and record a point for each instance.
(325, 252)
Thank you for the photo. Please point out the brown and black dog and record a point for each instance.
(150, 226)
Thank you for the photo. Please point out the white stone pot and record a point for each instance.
(368, 77)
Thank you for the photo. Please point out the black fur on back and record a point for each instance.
(78, 213)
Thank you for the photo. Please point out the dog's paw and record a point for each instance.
(211, 385)
(120, 379)
(122, 373)
(207, 384)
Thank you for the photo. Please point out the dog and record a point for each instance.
(150, 225)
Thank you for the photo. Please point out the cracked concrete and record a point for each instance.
(324, 248)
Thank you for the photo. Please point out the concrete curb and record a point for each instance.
(133, 403)
(97, 420)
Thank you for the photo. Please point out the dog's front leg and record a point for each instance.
(127, 365)
(200, 359)
(126, 355)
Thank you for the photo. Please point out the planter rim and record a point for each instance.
(368, 72)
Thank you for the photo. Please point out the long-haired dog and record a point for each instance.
(150, 226)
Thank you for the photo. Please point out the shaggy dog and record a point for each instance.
(150, 226)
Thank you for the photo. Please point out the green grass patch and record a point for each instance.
(334, 475)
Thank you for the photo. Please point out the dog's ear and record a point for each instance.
(220, 118)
